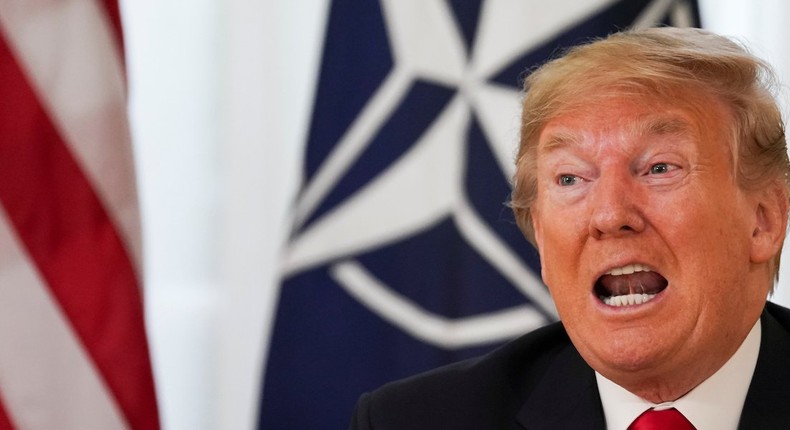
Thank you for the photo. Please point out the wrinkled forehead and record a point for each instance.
(691, 114)
(565, 132)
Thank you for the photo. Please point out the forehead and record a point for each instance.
(634, 119)
(564, 132)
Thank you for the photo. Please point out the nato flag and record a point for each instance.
(404, 255)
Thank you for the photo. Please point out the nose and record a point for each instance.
(615, 208)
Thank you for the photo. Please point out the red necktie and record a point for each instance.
(667, 419)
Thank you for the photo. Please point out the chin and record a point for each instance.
(624, 356)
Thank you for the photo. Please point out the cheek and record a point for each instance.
(720, 233)
(537, 230)
(560, 267)
(559, 238)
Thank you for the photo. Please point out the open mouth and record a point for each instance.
(630, 285)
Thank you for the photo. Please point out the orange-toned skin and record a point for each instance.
(639, 180)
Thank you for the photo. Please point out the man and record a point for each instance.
(652, 176)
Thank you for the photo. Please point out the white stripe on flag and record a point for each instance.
(70, 54)
(43, 366)
(429, 327)
(654, 13)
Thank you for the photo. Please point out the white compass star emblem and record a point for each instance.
(426, 184)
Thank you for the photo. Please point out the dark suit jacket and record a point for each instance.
(540, 381)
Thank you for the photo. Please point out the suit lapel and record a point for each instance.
(566, 398)
(767, 404)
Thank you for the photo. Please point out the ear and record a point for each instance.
(771, 223)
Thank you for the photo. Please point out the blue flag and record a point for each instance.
(404, 255)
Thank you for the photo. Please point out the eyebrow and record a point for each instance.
(650, 126)
(559, 139)
(658, 126)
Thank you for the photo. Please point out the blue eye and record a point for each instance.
(659, 168)
(567, 180)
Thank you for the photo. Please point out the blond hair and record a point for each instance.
(658, 62)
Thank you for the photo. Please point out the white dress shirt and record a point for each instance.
(715, 404)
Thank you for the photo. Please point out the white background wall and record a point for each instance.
(219, 99)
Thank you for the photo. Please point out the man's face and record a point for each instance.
(646, 240)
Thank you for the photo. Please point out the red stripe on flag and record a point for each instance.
(5, 421)
(114, 16)
(74, 245)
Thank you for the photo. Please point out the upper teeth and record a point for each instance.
(628, 299)
(627, 270)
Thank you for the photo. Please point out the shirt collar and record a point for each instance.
(716, 403)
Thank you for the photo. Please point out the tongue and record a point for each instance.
(636, 283)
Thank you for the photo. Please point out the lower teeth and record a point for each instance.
(628, 300)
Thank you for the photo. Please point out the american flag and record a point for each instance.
(403, 255)
(73, 349)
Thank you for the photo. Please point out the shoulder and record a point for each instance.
(775, 332)
(515, 360)
(496, 384)
(780, 313)
(769, 391)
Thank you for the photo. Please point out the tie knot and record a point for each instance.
(666, 419)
